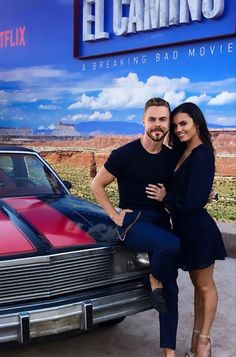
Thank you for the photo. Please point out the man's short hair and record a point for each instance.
(156, 102)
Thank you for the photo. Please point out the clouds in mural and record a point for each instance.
(85, 117)
(223, 98)
(52, 94)
(131, 92)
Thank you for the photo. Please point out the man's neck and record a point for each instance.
(153, 147)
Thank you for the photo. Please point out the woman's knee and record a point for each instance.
(207, 289)
(204, 287)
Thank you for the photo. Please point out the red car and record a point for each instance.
(62, 266)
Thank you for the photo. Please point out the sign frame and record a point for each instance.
(224, 26)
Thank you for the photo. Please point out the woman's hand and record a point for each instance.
(213, 196)
(156, 192)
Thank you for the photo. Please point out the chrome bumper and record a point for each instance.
(29, 323)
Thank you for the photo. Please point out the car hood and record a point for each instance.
(36, 225)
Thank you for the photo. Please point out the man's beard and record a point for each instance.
(155, 138)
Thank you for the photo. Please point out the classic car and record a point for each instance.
(62, 266)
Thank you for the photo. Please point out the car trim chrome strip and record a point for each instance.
(87, 315)
(68, 317)
(24, 322)
(50, 257)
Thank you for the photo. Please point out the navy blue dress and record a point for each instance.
(201, 239)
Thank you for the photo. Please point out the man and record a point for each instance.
(142, 223)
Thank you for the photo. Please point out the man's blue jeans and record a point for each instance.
(150, 232)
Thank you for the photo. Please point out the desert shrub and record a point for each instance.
(81, 180)
(224, 209)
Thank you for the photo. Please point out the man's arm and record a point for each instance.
(100, 181)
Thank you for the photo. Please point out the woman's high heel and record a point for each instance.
(208, 345)
(189, 353)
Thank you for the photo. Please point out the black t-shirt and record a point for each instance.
(135, 168)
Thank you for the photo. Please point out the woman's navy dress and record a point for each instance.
(201, 239)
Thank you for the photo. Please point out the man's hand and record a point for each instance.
(118, 217)
(156, 192)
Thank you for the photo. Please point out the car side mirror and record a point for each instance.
(67, 184)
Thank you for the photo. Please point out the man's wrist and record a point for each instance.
(113, 215)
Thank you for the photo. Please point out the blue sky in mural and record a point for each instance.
(42, 84)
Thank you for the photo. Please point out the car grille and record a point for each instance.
(41, 277)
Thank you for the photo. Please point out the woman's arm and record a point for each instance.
(198, 185)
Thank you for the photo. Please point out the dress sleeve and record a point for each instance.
(198, 186)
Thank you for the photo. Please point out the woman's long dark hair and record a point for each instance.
(198, 118)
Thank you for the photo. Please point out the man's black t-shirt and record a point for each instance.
(135, 168)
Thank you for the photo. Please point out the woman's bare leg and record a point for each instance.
(206, 294)
(198, 317)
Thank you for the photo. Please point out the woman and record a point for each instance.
(201, 240)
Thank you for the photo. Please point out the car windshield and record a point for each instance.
(23, 174)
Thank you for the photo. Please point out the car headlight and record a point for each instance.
(126, 260)
(138, 261)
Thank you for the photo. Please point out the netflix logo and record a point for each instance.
(13, 37)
